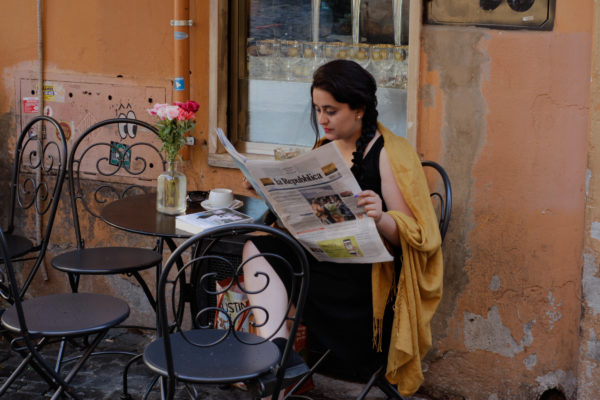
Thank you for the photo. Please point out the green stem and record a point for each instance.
(171, 186)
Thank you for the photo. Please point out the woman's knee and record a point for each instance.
(249, 249)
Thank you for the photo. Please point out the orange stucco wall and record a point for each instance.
(589, 354)
(119, 45)
(506, 112)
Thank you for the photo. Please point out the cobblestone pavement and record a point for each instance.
(101, 377)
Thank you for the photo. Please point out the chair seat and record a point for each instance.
(68, 314)
(106, 260)
(226, 362)
(17, 245)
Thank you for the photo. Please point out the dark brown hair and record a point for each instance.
(351, 84)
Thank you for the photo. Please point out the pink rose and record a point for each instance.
(193, 106)
(185, 115)
(168, 112)
(156, 109)
(189, 106)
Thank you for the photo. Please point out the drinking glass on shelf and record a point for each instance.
(320, 56)
(360, 52)
(312, 58)
(264, 55)
(289, 57)
(382, 61)
(400, 72)
(336, 50)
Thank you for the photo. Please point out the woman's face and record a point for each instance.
(338, 121)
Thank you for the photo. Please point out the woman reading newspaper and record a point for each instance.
(367, 314)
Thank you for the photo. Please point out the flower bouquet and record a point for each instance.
(174, 121)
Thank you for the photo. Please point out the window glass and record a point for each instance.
(286, 40)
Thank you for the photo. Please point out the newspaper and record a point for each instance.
(313, 196)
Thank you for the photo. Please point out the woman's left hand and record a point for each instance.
(372, 204)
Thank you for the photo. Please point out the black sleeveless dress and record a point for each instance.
(339, 307)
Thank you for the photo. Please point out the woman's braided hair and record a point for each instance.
(349, 83)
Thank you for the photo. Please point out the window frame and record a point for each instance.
(226, 65)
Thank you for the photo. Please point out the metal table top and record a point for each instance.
(138, 214)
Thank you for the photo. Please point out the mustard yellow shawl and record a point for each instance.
(418, 292)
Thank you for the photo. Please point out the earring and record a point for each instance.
(358, 117)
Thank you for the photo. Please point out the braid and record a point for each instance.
(369, 127)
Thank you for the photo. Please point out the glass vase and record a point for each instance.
(171, 191)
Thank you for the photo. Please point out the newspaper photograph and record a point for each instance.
(313, 196)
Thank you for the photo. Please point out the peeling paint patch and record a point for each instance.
(553, 315)
(595, 230)
(593, 347)
(558, 379)
(530, 361)
(588, 177)
(493, 396)
(491, 335)
(131, 292)
(591, 284)
(495, 283)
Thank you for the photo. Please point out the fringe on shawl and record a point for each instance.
(378, 320)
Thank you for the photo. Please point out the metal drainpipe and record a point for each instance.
(316, 13)
(38, 171)
(355, 21)
(181, 52)
(397, 5)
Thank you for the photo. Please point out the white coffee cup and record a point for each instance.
(220, 197)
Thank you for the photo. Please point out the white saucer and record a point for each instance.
(234, 206)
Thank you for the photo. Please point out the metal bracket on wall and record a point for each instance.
(182, 22)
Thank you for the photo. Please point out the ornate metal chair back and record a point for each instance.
(38, 172)
(232, 319)
(112, 159)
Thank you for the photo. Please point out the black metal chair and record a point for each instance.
(112, 159)
(223, 355)
(441, 196)
(37, 178)
(38, 322)
(442, 199)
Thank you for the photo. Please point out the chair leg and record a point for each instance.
(124, 394)
(59, 357)
(64, 383)
(152, 384)
(306, 376)
(28, 360)
(58, 381)
(378, 378)
(145, 288)
(387, 388)
(370, 383)
(15, 374)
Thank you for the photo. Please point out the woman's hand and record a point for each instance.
(372, 204)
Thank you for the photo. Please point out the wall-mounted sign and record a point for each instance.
(501, 14)
(180, 35)
(31, 105)
(179, 83)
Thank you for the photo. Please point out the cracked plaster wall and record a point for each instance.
(506, 112)
(589, 352)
